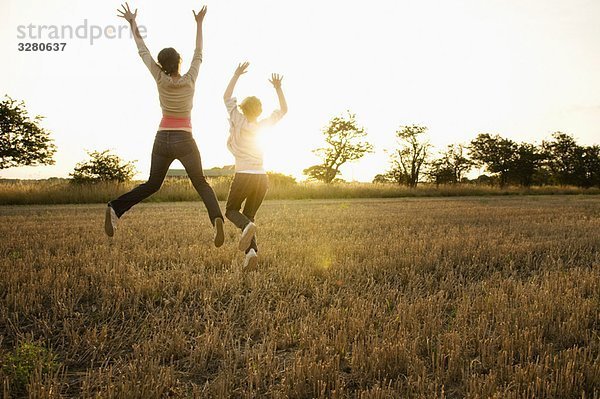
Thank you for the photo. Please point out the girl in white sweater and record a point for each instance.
(250, 181)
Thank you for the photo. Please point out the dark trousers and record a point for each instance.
(252, 189)
(168, 146)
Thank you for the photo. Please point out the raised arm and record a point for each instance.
(130, 17)
(199, 20)
(239, 71)
(197, 58)
(276, 82)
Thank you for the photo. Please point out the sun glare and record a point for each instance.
(283, 154)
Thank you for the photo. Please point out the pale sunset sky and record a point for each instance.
(519, 68)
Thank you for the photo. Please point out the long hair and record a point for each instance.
(168, 60)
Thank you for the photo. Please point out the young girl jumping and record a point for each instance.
(250, 181)
(174, 138)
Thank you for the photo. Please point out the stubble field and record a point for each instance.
(495, 297)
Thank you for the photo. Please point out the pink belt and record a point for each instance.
(173, 122)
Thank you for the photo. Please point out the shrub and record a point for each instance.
(103, 166)
(20, 365)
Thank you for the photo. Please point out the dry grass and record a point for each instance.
(60, 191)
(495, 297)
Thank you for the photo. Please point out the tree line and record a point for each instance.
(557, 161)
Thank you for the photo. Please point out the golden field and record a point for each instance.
(476, 297)
(63, 191)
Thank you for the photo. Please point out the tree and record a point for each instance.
(410, 157)
(440, 172)
(564, 159)
(103, 166)
(344, 144)
(517, 163)
(569, 163)
(322, 173)
(382, 178)
(591, 163)
(23, 142)
(495, 153)
(526, 164)
(450, 166)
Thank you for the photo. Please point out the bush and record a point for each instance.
(103, 166)
(26, 359)
(280, 180)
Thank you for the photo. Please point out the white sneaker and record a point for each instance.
(219, 234)
(247, 235)
(110, 221)
(251, 260)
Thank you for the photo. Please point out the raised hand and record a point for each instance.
(241, 69)
(276, 80)
(126, 13)
(200, 16)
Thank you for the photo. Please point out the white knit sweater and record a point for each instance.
(243, 138)
(176, 95)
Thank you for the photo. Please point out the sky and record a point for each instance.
(519, 68)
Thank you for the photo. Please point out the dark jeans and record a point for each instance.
(251, 188)
(168, 146)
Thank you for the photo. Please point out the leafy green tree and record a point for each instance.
(516, 163)
(526, 164)
(495, 153)
(591, 163)
(23, 142)
(344, 143)
(103, 166)
(569, 163)
(485, 180)
(564, 159)
(410, 157)
(440, 172)
(322, 173)
(382, 178)
(451, 166)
